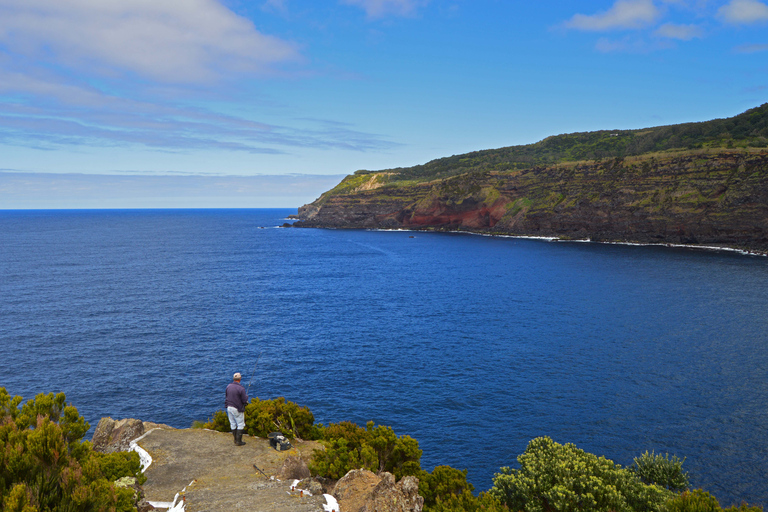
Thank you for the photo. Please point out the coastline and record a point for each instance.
(710, 248)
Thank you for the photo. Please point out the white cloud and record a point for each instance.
(380, 8)
(744, 12)
(171, 41)
(624, 14)
(682, 32)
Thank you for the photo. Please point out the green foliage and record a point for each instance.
(661, 470)
(219, 422)
(265, 416)
(45, 465)
(375, 448)
(695, 501)
(563, 478)
(444, 483)
(749, 129)
(119, 464)
(467, 502)
(701, 501)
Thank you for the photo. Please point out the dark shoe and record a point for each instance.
(234, 434)
(239, 438)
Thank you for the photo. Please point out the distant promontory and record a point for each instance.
(695, 184)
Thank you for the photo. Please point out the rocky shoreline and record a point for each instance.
(193, 470)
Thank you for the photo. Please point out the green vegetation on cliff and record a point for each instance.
(46, 467)
(697, 183)
(746, 130)
(551, 477)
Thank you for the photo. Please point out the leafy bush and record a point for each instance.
(219, 422)
(563, 478)
(119, 464)
(265, 416)
(444, 483)
(696, 501)
(44, 465)
(376, 448)
(467, 502)
(661, 470)
(701, 501)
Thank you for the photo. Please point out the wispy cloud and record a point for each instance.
(177, 42)
(624, 14)
(751, 48)
(380, 8)
(744, 12)
(94, 72)
(681, 32)
(43, 111)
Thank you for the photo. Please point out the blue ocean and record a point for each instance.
(472, 345)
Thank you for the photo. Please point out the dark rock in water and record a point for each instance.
(362, 491)
(294, 468)
(287, 225)
(116, 436)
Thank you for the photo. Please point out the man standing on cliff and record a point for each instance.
(235, 402)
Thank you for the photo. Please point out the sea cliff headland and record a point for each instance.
(700, 184)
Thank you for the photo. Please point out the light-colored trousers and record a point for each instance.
(236, 419)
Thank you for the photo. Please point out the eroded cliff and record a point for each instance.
(711, 196)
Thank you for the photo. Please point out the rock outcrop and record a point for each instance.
(116, 435)
(294, 468)
(363, 491)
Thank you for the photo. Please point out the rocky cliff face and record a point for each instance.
(707, 197)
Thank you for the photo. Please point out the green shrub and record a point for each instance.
(467, 502)
(265, 416)
(701, 501)
(661, 470)
(695, 501)
(45, 465)
(376, 448)
(119, 464)
(443, 483)
(219, 422)
(563, 478)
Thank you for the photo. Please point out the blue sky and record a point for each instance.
(268, 103)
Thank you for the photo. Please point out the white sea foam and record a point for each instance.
(587, 240)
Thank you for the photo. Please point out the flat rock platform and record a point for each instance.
(219, 476)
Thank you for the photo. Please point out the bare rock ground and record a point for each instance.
(219, 476)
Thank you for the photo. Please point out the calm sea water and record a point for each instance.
(472, 345)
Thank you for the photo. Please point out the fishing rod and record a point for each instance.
(253, 374)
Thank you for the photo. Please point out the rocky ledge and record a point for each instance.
(196, 470)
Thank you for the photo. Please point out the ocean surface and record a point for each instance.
(472, 345)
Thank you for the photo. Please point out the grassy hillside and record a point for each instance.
(747, 130)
